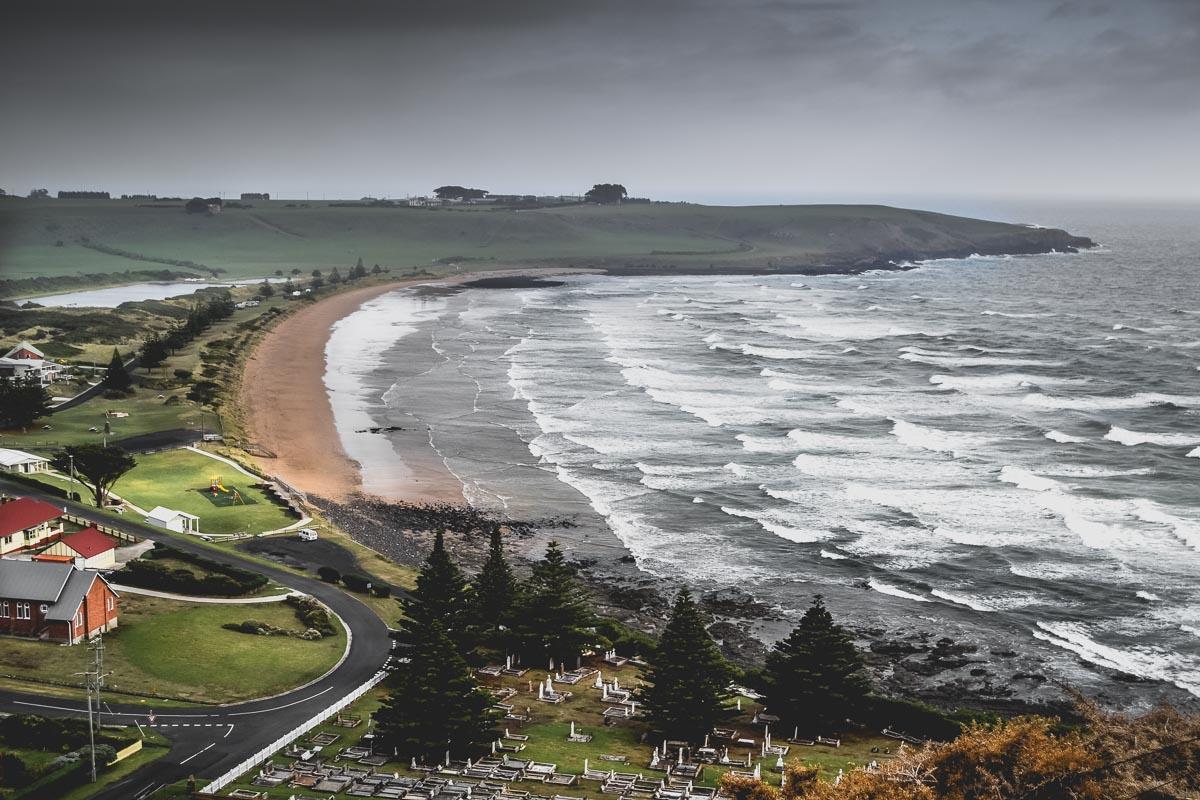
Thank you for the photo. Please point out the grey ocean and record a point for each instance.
(1003, 446)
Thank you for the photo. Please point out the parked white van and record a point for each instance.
(307, 535)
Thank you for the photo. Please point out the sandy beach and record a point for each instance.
(288, 411)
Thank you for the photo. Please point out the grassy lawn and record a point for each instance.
(147, 414)
(180, 479)
(550, 724)
(179, 650)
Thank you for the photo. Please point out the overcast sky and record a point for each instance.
(741, 100)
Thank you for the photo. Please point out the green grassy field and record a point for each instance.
(548, 730)
(180, 479)
(256, 242)
(179, 650)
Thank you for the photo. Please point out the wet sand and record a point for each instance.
(289, 415)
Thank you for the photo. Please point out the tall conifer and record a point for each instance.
(687, 677)
(436, 706)
(494, 593)
(440, 596)
(116, 377)
(555, 621)
(815, 676)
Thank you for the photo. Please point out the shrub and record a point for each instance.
(312, 614)
(329, 574)
(381, 590)
(183, 374)
(355, 583)
(220, 580)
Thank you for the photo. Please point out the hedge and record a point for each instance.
(221, 580)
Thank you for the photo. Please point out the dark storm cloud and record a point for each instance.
(548, 93)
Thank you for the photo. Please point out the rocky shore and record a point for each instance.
(949, 666)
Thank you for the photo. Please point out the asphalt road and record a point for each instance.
(208, 741)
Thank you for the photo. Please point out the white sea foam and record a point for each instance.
(1024, 479)
(962, 600)
(1144, 662)
(1065, 438)
(832, 555)
(782, 523)
(977, 361)
(934, 439)
(1139, 400)
(1131, 438)
(782, 353)
(1144, 595)
(887, 588)
(1186, 530)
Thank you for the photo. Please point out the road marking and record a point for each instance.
(226, 736)
(193, 755)
(147, 791)
(280, 708)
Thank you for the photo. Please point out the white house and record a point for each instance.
(178, 521)
(21, 462)
(25, 359)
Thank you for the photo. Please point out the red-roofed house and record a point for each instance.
(26, 522)
(88, 548)
(54, 601)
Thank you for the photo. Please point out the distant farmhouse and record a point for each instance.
(26, 360)
(19, 462)
(26, 523)
(53, 601)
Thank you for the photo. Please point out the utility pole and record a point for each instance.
(89, 684)
(71, 461)
(97, 648)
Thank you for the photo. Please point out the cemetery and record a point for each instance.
(565, 734)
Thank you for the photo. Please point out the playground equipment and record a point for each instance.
(215, 486)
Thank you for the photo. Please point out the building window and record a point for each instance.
(23, 611)
(111, 604)
(44, 608)
(4, 610)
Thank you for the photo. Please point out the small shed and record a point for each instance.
(18, 461)
(172, 520)
(88, 548)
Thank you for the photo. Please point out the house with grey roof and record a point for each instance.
(54, 601)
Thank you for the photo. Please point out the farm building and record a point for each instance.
(57, 602)
(26, 522)
(178, 521)
(88, 548)
(18, 461)
(25, 360)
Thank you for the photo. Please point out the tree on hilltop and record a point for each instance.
(816, 675)
(459, 193)
(687, 677)
(605, 193)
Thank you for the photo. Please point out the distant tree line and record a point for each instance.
(605, 193)
(459, 193)
(82, 195)
(200, 317)
(200, 205)
(255, 196)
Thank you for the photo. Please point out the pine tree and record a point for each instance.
(555, 621)
(494, 593)
(687, 677)
(117, 377)
(435, 706)
(815, 675)
(22, 401)
(439, 597)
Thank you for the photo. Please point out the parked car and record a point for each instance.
(307, 535)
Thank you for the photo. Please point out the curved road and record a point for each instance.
(208, 741)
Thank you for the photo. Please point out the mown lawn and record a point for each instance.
(180, 479)
(179, 650)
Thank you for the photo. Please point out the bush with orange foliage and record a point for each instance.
(1028, 758)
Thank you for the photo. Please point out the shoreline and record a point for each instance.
(289, 415)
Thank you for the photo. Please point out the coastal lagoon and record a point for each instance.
(1004, 450)
(113, 296)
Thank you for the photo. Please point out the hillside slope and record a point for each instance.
(62, 237)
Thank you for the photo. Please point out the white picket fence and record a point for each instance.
(283, 741)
